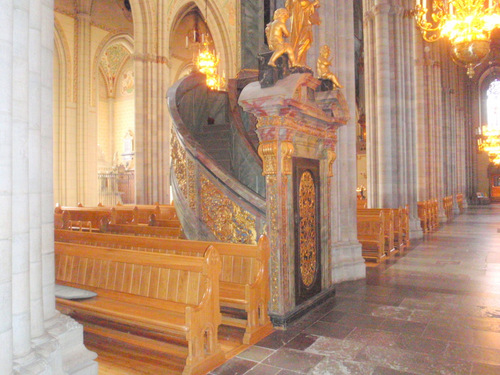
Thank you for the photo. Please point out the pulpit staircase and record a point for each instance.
(217, 181)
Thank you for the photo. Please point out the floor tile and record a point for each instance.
(295, 360)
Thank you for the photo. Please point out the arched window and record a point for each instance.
(493, 105)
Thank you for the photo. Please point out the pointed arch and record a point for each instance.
(216, 20)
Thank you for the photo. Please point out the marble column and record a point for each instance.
(6, 70)
(391, 102)
(35, 338)
(152, 119)
(337, 31)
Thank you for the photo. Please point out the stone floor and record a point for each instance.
(435, 310)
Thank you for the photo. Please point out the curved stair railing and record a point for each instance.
(208, 162)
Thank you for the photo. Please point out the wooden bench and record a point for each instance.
(388, 226)
(448, 207)
(428, 213)
(142, 230)
(405, 226)
(89, 217)
(371, 236)
(244, 279)
(460, 203)
(361, 203)
(145, 299)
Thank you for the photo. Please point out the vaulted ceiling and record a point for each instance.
(111, 15)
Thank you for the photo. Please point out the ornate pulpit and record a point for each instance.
(298, 118)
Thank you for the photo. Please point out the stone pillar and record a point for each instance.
(337, 31)
(20, 200)
(152, 119)
(86, 120)
(391, 107)
(6, 131)
(35, 338)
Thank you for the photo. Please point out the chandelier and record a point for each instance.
(207, 62)
(490, 143)
(466, 23)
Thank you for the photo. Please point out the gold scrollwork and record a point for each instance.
(307, 211)
(228, 221)
(272, 213)
(179, 163)
(268, 121)
(268, 151)
(331, 156)
(191, 188)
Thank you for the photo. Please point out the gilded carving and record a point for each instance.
(331, 156)
(268, 121)
(303, 15)
(272, 214)
(276, 31)
(179, 163)
(323, 66)
(228, 221)
(191, 184)
(307, 212)
(268, 151)
(287, 150)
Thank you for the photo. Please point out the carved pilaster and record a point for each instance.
(268, 151)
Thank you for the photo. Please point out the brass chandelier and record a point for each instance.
(207, 61)
(466, 23)
(490, 143)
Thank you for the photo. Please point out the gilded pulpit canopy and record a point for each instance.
(303, 15)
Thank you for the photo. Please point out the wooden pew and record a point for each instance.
(93, 215)
(361, 203)
(388, 227)
(405, 226)
(143, 298)
(142, 230)
(460, 203)
(371, 236)
(244, 279)
(448, 207)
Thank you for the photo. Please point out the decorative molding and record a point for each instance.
(268, 151)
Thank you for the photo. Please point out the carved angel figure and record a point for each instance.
(276, 31)
(303, 16)
(323, 66)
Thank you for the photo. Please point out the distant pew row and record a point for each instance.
(383, 232)
(146, 220)
(428, 211)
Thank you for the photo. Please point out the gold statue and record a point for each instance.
(275, 32)
(303, 16)
(323, 66)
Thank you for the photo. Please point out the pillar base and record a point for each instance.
(347, 263)
(31, 364)
(75, 357)
(284, 320)
(416, 231)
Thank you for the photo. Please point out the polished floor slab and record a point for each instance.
(435, 310)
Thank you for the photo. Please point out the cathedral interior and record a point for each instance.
(249, 187)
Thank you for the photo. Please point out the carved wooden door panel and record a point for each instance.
(307, 228)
